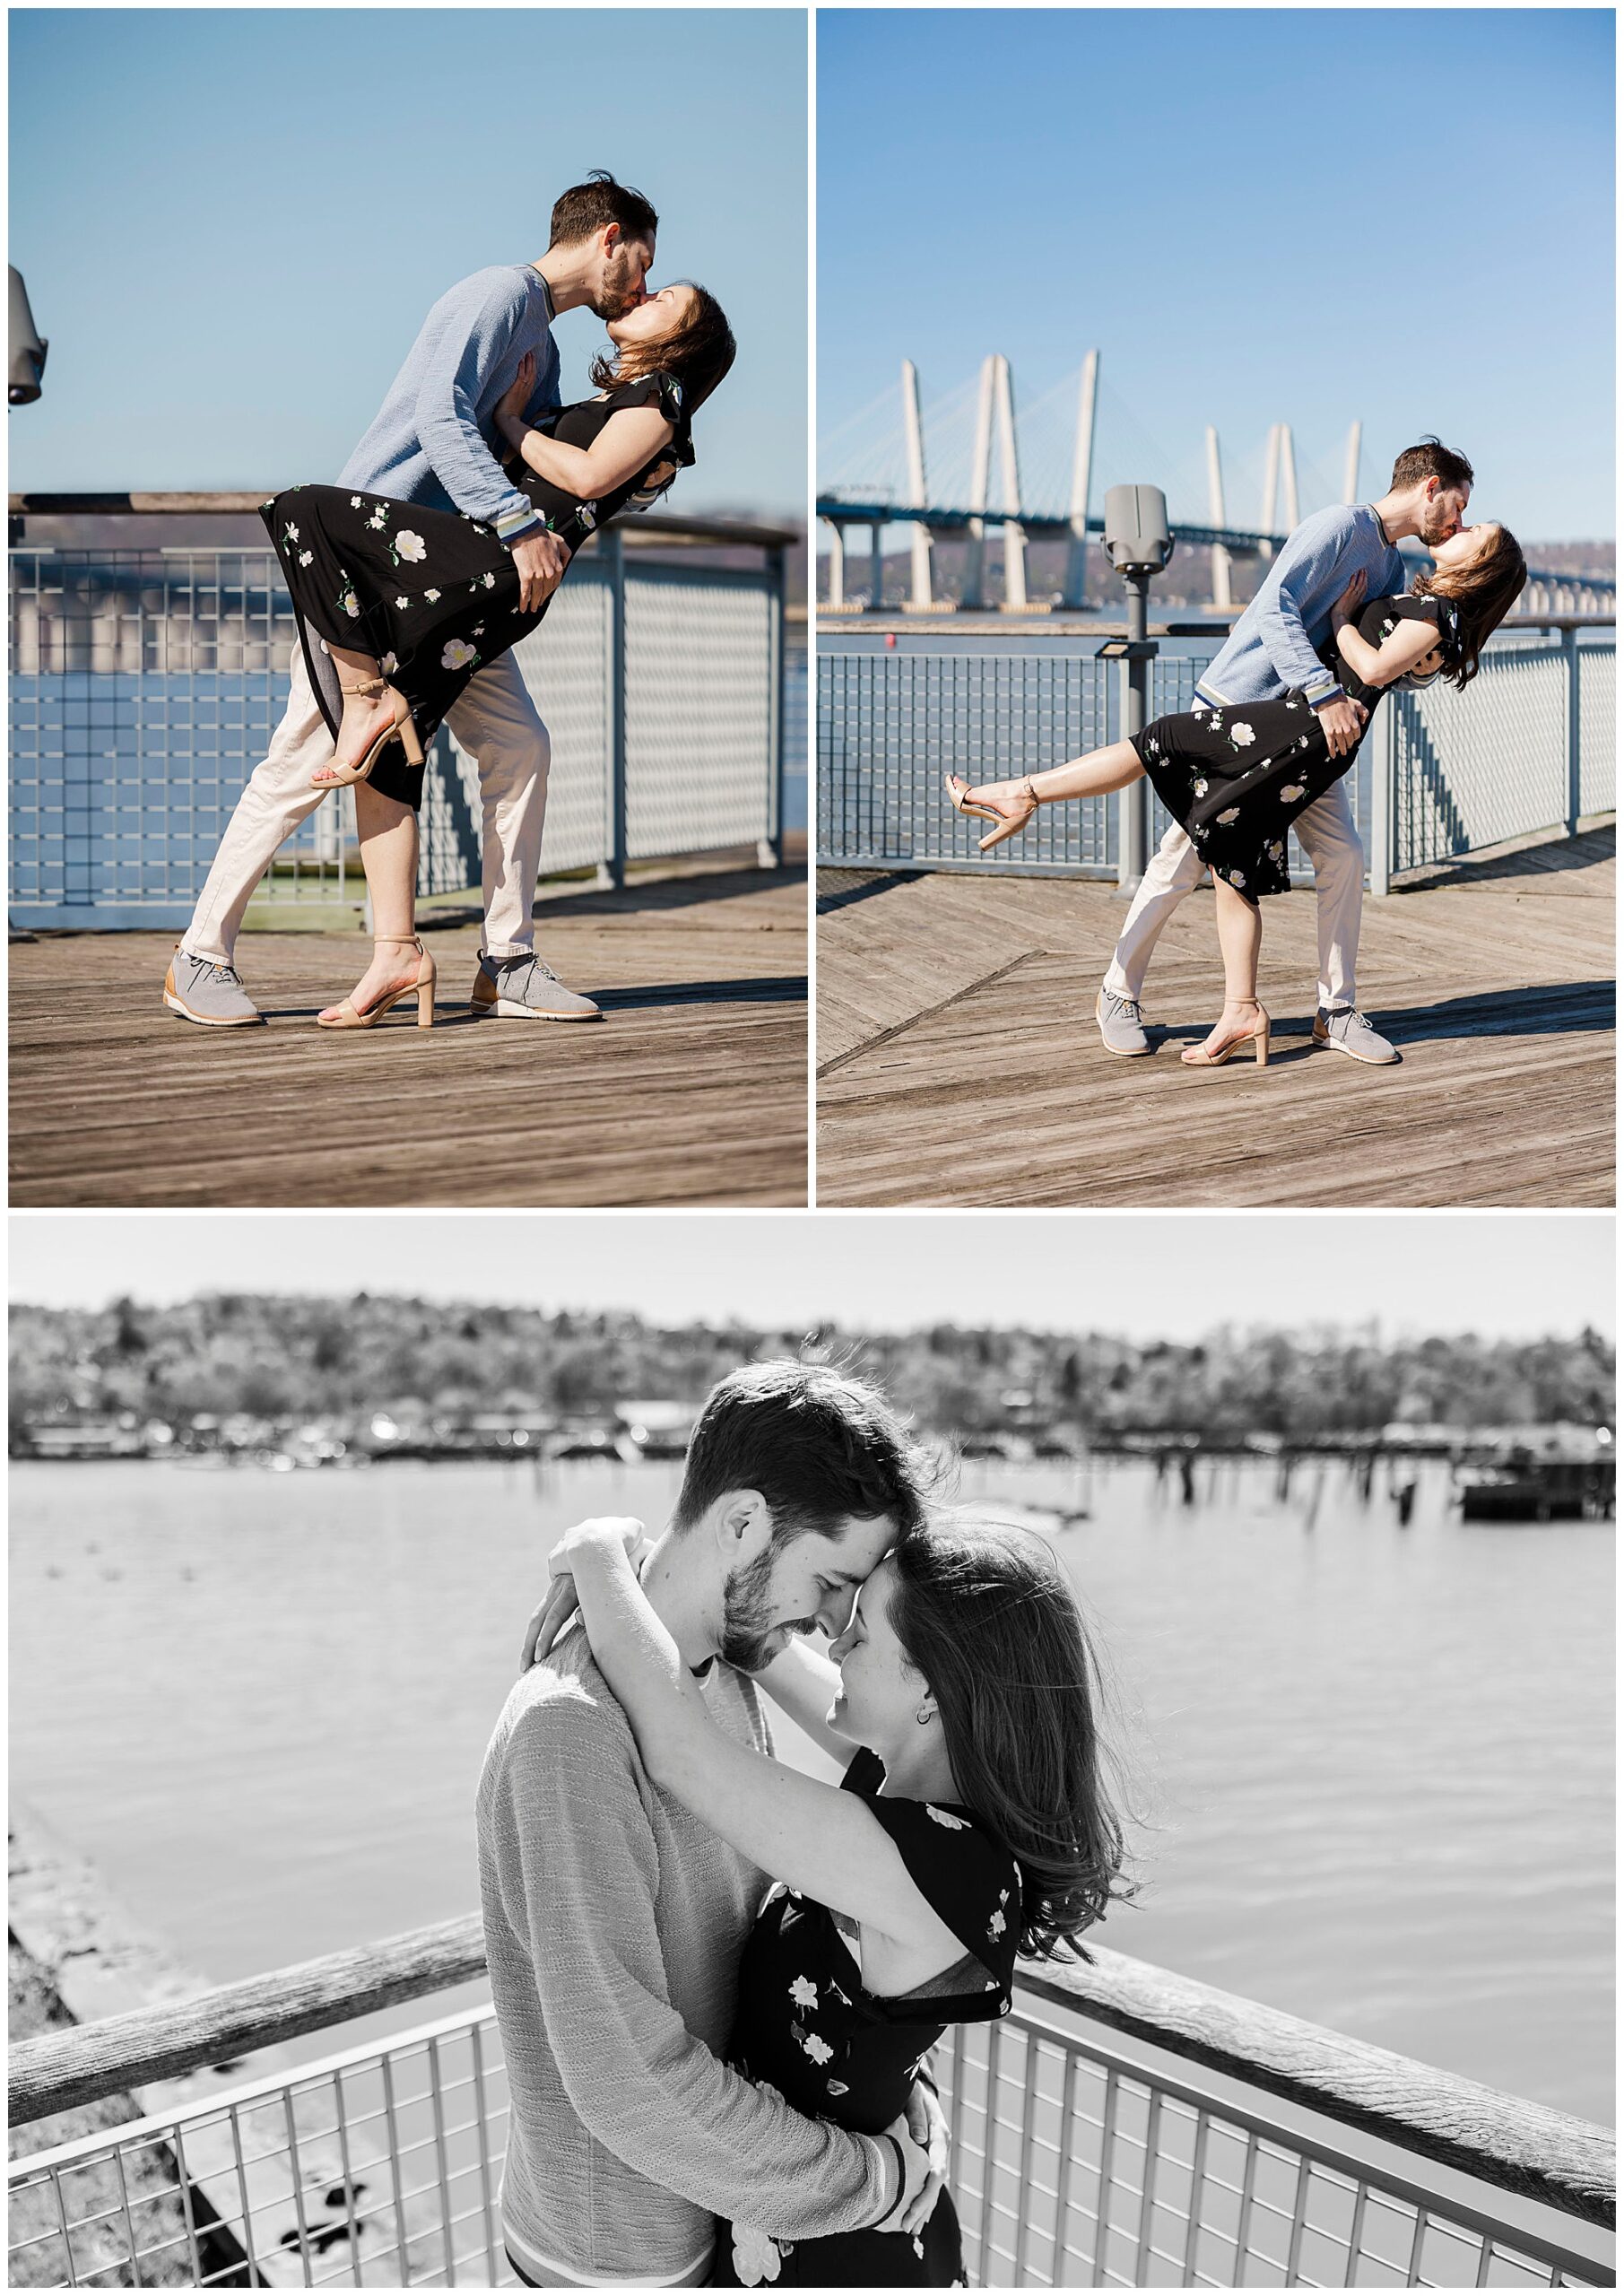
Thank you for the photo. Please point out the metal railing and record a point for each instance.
(1529, 746)
(145, 685)
(1120, 2128)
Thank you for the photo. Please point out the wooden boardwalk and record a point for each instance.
(958, 1062)
(691, 1091)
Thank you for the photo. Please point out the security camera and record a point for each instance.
(1137, 539)
(27, 350)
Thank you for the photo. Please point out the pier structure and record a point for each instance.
(933, 472)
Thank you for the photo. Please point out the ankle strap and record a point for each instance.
(367, 685)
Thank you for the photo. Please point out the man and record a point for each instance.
(1273, 648)
(431, 443)
(614, 1921)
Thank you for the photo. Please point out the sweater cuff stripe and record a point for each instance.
(515, 522)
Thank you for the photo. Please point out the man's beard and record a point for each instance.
(749, 1636)
(614, 299)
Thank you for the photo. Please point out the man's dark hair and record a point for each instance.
(1431, 460)
(592, 206)
(817, 1445)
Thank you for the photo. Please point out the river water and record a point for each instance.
(1374, 1764)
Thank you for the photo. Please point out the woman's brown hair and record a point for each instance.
(698, 351)
(1483, 593)
(985, 1613)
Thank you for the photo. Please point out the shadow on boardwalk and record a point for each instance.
(958, 1062)
(691, 1091)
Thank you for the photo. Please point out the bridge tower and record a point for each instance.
(1014, 533)
(1350, 470)
(1215, 511)
(1075, 590)
(919, 534)
(981, 466)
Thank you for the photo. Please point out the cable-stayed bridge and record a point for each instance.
(963, 466)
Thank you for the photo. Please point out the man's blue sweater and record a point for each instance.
(429, 441)
(1275, 646)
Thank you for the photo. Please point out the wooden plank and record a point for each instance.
(1499, 994)
(691, 1091)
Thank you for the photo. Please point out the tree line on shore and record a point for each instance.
(278, 1356)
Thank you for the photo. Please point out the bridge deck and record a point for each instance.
(692, 1090)
(960, 1063)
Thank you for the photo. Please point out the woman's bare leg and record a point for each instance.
(1240, 934)
(1094, 775)
(363, 720)
(387, 832)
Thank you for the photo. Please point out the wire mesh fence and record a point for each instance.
(145, 685)
(1072, 2164)
(1440, 775)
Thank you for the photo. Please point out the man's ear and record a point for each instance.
(743, 1525)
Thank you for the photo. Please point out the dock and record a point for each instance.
(958, 1062)
(691, 1091)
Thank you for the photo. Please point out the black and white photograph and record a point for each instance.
(720, 1750)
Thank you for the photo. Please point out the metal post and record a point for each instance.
(1083, 463)
(1014, 533)
(837, 565)
(1351, 475)
(975, 562)
(1570, 657)
(617, 707)
(1215, 510)
(876, 568)
(913, 427)
(1384, 776)
(772, 856)
(1134, 804)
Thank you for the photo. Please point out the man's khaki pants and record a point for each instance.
(1328, 837)
(495, 721)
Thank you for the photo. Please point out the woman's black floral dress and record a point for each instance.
(1237, 776)
(432, 594)
(807, 2025)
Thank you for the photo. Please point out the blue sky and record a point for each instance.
(232, 222)
(1303, 215)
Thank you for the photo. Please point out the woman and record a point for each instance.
(1236, 777)
(399, 606)
(972, 1823)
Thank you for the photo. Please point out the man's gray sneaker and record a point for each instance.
(1120, 1026)
(523, 988)
(211, 995)
(1349, 1031)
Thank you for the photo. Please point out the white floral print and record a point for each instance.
(755, 2255)
(817, 2049)
(305, 557)
(409, 546)
(290, 534)
(350, 603)
(1200, 788)
(1238, 877)
(491, 581)
(456, 655)
(401, 603)
(388, 665)
(1230, 813)
(355, 501)
(1241, 734)
(432, 596)
(1292, 791)
(380, 517)
(959, 1825)
(994, 1927)
(804, 1993)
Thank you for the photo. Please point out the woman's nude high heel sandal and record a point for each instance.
(1198, 1056)
(400, 730)
(958, 797)
(350, 1017)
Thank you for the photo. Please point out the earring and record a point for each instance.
(924, 1714)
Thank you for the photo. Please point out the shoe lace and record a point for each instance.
(226, 974)
(1128, 1008)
